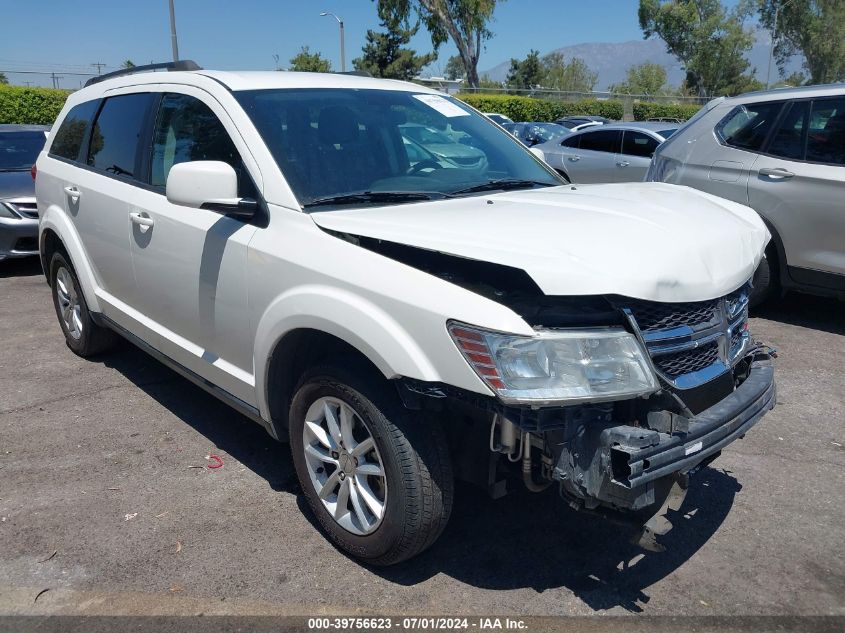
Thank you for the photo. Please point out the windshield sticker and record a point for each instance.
(443, 106)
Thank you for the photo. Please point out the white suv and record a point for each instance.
(403, 320)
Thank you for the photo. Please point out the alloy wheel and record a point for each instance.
(69, 305)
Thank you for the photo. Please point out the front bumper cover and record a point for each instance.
(18, 237)
(619, 466)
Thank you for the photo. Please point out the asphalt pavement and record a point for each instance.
(107, 503)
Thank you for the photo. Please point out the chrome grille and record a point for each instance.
(687, 361)
(652, 316)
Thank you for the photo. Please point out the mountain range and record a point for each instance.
(612, 59)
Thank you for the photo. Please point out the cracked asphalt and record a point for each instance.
(106, 502)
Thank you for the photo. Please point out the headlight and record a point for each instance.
(573, 365)
(6, 212)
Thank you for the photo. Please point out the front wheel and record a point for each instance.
(378, 480)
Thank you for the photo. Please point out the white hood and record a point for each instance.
(645, 240)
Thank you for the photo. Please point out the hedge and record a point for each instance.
(30, 105)
(531, 109)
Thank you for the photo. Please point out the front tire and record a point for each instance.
(378, 481)
(84, 337)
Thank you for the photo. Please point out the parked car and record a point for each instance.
(19, 147)
(444, 147)
(617, 152)
(266, 235)
(781, 152)
(534, 133)
(578, 120)
(501, 119)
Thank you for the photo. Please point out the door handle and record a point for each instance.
(73, 192)
(776, 172)
(141, 219)
(622, 163)
(574, 159)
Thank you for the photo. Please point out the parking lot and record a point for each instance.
(107, 504)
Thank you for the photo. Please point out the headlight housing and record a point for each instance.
(554, 366)
(7, 212)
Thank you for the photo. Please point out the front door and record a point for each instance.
(190, 264)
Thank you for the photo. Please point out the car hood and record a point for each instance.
(16, 184)
(644, 240)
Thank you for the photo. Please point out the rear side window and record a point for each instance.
(747, 126)
(638, 144)
(572, 141)
(826, 132)
(71, 133)
(788, 140)
(601, 141)
(117, 132)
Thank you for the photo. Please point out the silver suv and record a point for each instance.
(781, 152)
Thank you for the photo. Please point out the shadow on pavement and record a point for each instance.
(523, 540)
(20, 267)
(818, 313)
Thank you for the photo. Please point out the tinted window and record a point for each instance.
(18, 150)
(117, 132)
(788, 140)
(186, 129)
(826, 132)
(71, 133)
(572, 141)
(638, 144)
(601, 141)
(747, 126)
(668, 133)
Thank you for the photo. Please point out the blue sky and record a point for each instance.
(245, 34)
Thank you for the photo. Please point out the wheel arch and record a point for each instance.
(56, 232)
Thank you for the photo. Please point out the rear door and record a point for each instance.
(190, 264)
(633, 162)
(798, 182)
(595, 158)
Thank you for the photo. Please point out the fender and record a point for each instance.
(351, 318)
(55, 219)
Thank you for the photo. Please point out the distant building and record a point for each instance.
(449, 86)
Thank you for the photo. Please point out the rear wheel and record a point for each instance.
(378, 480)
(83, 336)
(765, 279)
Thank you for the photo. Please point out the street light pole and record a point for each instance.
(173, 33)
(778, 7)
(342, 46)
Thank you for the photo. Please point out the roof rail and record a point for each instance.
(182, 64)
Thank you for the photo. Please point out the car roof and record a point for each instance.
(15, 127)
(802, 92)
(639, 126)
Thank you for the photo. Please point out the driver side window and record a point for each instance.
(186, 130)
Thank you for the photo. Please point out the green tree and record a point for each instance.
(485, 83)
(643, 79)
(710, 41)
(572, 76)
(793, 80)
(527, 73)
(384, 55)
(815, 28)
(3, 78)
(462, 21)
(128, 64)
(454, 68)
(306, 61)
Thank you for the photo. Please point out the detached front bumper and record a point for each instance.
(18, 237)
(621, 466)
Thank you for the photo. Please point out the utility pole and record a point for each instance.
(173, 42)
(98, 66)
(778, 7)
(342, 47)
(276, 59)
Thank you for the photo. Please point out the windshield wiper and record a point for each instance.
(503, 184)
(375, 196)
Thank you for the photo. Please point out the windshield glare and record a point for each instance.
(332, 142)
(19, 150)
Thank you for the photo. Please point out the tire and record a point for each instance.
(563, 175)
(764, 281)
(84, 337)
(415, 486)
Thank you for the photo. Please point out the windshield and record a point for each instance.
(351, 147)
(19, 150)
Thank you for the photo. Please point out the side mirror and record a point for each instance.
(208, 184)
